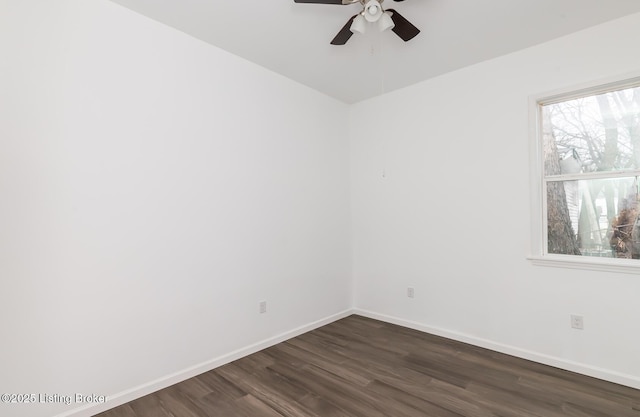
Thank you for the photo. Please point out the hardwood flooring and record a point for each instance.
(359, 367)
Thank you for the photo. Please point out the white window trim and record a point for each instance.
(538, 255)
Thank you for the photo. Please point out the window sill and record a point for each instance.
(626, 266)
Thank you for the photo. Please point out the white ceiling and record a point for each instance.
(293, 39)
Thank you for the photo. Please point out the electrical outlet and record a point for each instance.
(577, 322)
(263, 307)
(411, 293)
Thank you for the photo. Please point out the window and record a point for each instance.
(587, 147)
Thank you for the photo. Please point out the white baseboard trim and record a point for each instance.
(168, 380)
(581, 368)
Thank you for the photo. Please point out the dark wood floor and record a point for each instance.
(365, 368)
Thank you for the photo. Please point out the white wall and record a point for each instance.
(452, 216)
(153, 190)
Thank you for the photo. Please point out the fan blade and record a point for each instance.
(319, 1)
(345, 33)
(403, 27)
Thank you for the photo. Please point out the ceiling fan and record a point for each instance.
(372, 12)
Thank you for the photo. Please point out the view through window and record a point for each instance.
(591, 151)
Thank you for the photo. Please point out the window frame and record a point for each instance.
(539, 255)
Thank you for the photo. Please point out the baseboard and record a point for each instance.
(581, 368)
(168, 380)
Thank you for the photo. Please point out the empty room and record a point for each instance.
(319, 208)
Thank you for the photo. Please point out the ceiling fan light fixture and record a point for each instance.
(385, 22)
(359, 24)
(372, 10)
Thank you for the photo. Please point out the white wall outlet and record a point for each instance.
(411, 293)
(577, 322)
(263, 307)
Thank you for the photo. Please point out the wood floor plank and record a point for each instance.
(359, 367)
(418, 405)
(322, 407)
(177, 403)
(250, 406)
(221, 388)
(353, 401)
(285, 352)
(147, 406)
(123, 411)
(270, 387)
